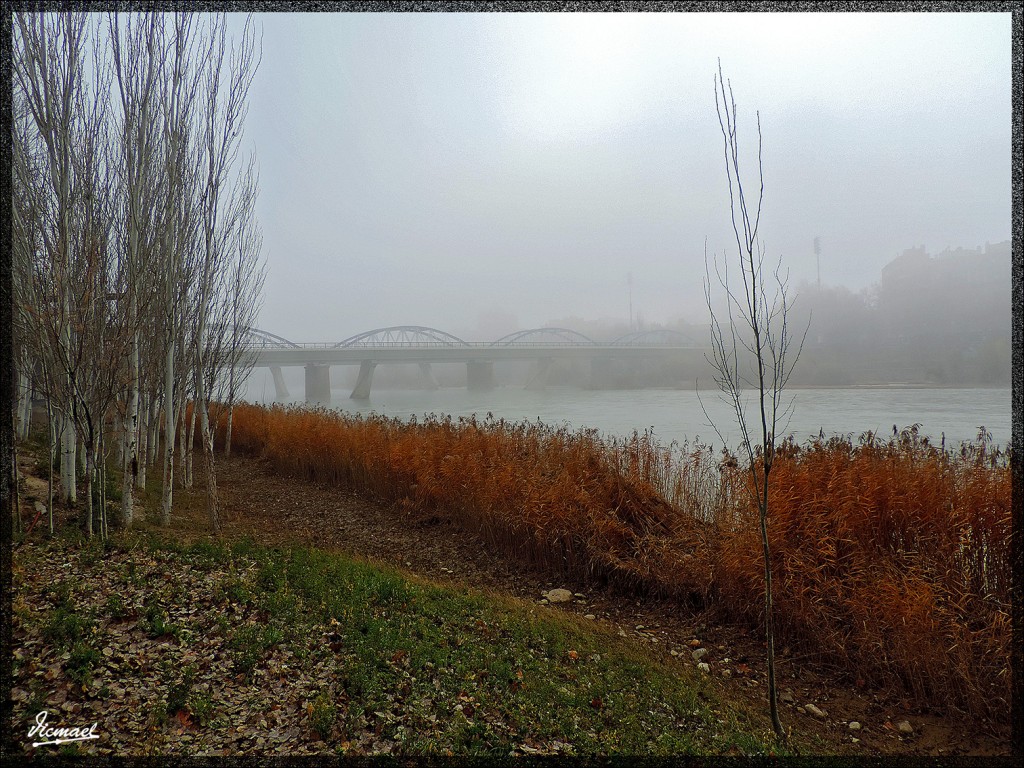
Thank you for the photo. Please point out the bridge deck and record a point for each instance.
(316, 354)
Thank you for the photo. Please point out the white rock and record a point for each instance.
(705, 668)
(905, 727)
(854, 725)
(816, 712)
(558, 595)
(699, 654)
(590, 616)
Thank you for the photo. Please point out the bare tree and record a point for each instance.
(67, 270)
(229, 75)
(177, 227)
(757, 323)
(230, 363)
(134, 236)
(137, 53)
(47, 70)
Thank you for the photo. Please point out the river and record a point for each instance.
(677, 415)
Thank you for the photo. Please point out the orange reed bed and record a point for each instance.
(891, 558)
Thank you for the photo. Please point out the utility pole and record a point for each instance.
(629, 282)
(817, 258)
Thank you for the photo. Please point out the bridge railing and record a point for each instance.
(468, 344)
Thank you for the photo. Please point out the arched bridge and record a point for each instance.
(424, 345)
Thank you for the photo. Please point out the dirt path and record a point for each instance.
(280, 511)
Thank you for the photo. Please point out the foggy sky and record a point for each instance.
(481, 173)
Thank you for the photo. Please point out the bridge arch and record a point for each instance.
(258, 338)
(560, 334)
(402, 336)
(663, 337)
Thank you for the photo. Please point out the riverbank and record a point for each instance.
(885, 551)
(679, 414)
(279, 513)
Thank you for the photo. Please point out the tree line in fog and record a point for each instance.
(136, 250)
(940, 319)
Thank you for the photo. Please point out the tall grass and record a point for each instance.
(892, 556)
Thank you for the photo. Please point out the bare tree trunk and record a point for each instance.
(140, 479)
(190, 440)
(52, 453)
(16, 511)
(167, 497)
(23, 410)
(68, 444)
(131, 431)
(227, 438)
(102, 479)
(153, 422)
(212, 505)
(88, 489)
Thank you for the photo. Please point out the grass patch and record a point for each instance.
(250, 643)
(434, 669)
(364, 656)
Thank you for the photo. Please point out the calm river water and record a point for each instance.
(677, 414)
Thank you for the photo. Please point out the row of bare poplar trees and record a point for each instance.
(136, 250)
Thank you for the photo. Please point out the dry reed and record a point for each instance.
(891, 557)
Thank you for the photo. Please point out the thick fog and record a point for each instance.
(482, 173)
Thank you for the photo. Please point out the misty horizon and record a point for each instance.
(488, 172)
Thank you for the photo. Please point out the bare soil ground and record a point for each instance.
(279, 511)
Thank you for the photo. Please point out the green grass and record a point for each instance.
(477, 674)
(435, 669)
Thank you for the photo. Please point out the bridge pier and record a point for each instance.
(539, 374)
(602, 373)
(479, 375)
(280, 387)
(427, 374)
(362, 388)
(318, 383)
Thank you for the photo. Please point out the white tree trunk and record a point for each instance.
(140, 478)
(190, 439)
(131, 431)
(212, 504)
(89, 471)
(167, 497)
(23, 411)
(68, 443)
(153, 420)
